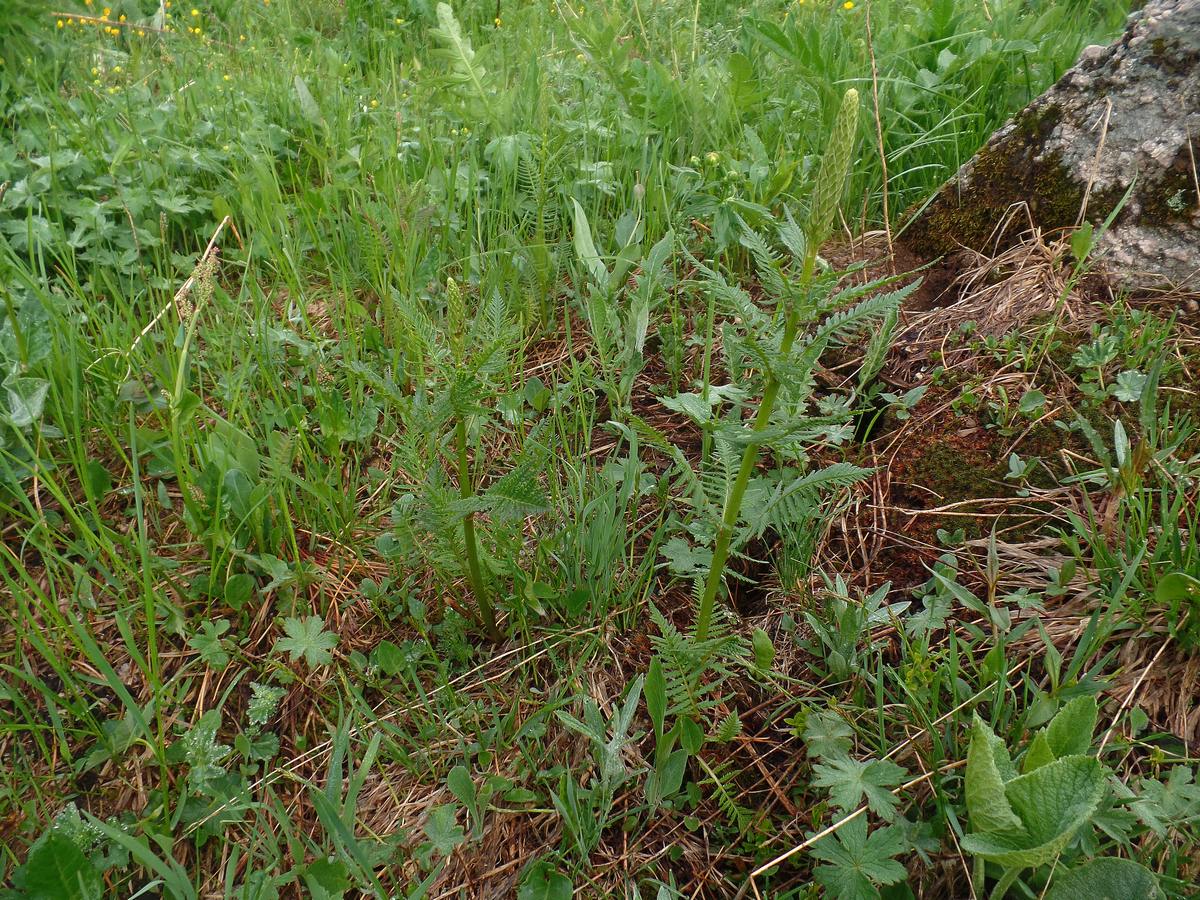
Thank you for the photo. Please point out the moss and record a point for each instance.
(1172, 197)
(1003, 172)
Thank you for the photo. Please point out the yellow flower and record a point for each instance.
(497, 21)
(117, 69)
(195, 13)
(141, 33)
(374, 104)
(849, 4)
(87, 2)
(70, 23)
(121, 18)
(241, 37)
(107, 10)
(95, 71)
(61, 23)
(226, 78)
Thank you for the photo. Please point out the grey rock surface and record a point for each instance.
(1126, 114)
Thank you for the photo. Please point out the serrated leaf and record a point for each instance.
(443, 830)
(858, 862)
(849, 781)
(307, 639)
(517, 494)
(826, 735)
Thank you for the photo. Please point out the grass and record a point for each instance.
(375, 387)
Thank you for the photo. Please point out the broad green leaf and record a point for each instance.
(26, 398)
(461, 786)
(308, 106)
(544, 882)
(1106, 878)
(826, 735)
(585, 249)
(1038, 754)
(1070, 732)
(57, 870)
(987, 805)
(656, 695)
(1052, 803)
(764, 650)
(1175, 587)
(326, 879)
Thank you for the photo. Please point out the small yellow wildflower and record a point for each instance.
(497, 21)
(849, 4)
(107, 10)
(87, 2)
(61, 23)
(112, 90)
(121, 17)
(195, 13)
(70, 23)
(226, 78)
(117, 70)
(141, 33)
(374, 104)
(453, 132)
(95, 71)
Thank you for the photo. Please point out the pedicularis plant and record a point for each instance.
(810, 315)
(466, 360)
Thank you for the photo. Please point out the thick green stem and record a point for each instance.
(733, 503)
(1005, 882)
(466, 490)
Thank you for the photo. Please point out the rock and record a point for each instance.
(1128, 110)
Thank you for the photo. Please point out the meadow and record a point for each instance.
(502, 450)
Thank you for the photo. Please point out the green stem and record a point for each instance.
(1005, 882)
(474, 575)
(733, 503)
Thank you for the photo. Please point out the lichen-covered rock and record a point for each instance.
(1126, 114)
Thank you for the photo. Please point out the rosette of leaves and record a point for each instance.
(1025, 819)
